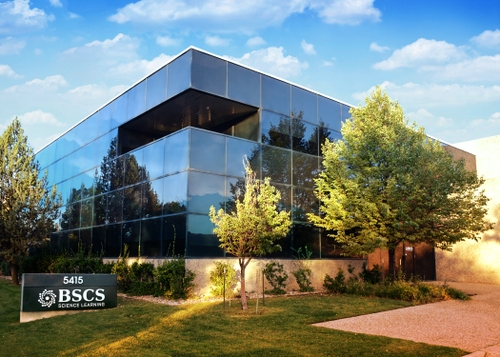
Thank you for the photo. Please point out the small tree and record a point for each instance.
(254, 228)
(386, 182)
(28, 205)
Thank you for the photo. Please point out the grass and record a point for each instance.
(138, 328)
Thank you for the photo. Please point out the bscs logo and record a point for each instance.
(47, 298)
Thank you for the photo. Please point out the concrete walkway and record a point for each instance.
(469, 325)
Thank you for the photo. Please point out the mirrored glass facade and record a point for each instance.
(144, 169)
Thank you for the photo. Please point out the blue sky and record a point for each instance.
(62, 59)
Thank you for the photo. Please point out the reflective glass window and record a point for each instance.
(114, 240)
(179, 75)
(132, 202)
(201, 242)
(276, 130)
(276, 164)
(115, 207)
(345, 112)
(63, 240)
(131, 236)
(136, 100)
(174, 235)
(98, 240)
(329, 247)
(238, 151)
(175, 193)
(87, 213)
(93, 128)
(328, 113)
(153, 159)
(304, 105)
(243, 85)
(275, 95)
(100, 210)
(64, 189)
(156, 92)
(102, 149)
(207, 152)
(304, 201)
(305, 169)
(119, 111)
(152, 200)
(248, 128)
(113, 175)
(176, 152)
(151, 237)
(235, 189)
(304, 137)
(306, 235)
(105, 118)
(205, 190)
(71, 216)
(209, 73)
(72, 164)
(73, 240)
(133, 168)
(91, 156)
(87, 180)
(80, 134)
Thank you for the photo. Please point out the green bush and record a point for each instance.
(276, 276)
(173, 279)
(5, 268)
(373, 276)
(142, 279)
(456, 294)
(302, 272)
(217, 279)
(337, 284)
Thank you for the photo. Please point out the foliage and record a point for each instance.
(81, 261)
(337, 284)
(372, 276)
(276, 276)
(456, 294)
(173, 279)
(302, 272)
(4, 268)
(255, 226)
(217, 279)
(386, 182)
(28, 206)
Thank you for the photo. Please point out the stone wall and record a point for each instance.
(479, 261)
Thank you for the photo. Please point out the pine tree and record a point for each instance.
(28, 206)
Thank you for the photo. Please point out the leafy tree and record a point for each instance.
(387, 182)
(254, 228)
(28, 206)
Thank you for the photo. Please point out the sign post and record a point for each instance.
(47, 295)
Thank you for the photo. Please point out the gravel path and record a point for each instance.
(469, 325)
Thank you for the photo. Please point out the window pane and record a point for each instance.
(305, 235)
(205, 190)
(201, 241)
(176, 152)
(156, 88)
(131, 236)
(105, 118)
(136, 98)
(132, 202)
(152, 198)
(100, 209)
(276, 130)
(248, 128)
(304, 137)
(179, 75)
(175, 193)
(328, 113)
(154, 158)
(237, 152)
(276, 164)
(93, 130)
(275, 95)
(133, 168)
(304, 105)
(208, 73)
(115, 207)
(304, 201)
(151, 237)
(99, 240)
(243, 85)
(73, 240)
(114, 240)
(305, 169)
(119, 111)
(87, 214)
(174, 235)
(329, 247)
(207, 152)
(345, 112)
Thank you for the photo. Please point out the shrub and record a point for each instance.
(303, 273)
(337, 284)
(217, 279)
(5, 268)
(373, 276)
(276, 276)
(173, 279)
(456, 294)
(142, 279)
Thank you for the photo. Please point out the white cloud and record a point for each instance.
(120, 45)
(273, 61)
(327, 63)
(346, 12)
(483, 68)
(167, 41)
(72, 15)
(307, 47)
(422, 53)
(10, 46)
(56, 3)
(216, 41)
(39, 117)
(487, 39)
(6, 71)
(415, 96)
(38, 51)
(376, 48)
(16, 16)
(140, 68)
(255, 41)
(494, 119)
(235, 15)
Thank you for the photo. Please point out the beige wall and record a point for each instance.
(478, 261)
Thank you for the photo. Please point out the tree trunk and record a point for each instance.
(392, 262)
(14, 271)
(243, 293)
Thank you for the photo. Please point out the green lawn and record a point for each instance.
(136, 328)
